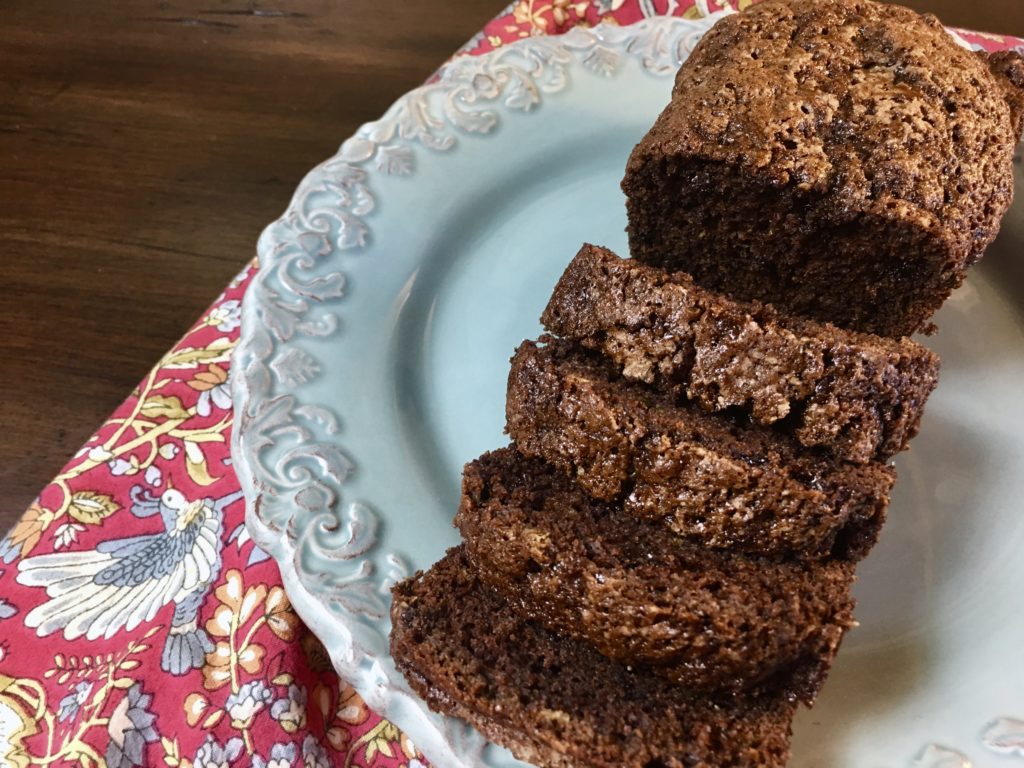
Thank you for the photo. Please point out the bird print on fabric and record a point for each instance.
(125, 582)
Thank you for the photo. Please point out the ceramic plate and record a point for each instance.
(375, 348)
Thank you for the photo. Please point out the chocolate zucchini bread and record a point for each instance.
(556, 702)
(844, 160)
(708, 620)
(860, 396)
(712, 479)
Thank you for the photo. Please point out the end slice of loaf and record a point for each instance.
(844, 160)
(713, 480)
(708, 620)
(858, 395)
(556, 702)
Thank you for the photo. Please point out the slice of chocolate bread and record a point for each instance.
(556, 702)
(706, 619)
(861, 396)
(713, 480)
(841, 159)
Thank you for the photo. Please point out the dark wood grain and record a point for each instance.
(144, 144)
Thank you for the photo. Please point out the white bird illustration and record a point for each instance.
(124, 582)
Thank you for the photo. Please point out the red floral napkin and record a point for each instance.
(139, 625)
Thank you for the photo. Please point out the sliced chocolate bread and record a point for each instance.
(556, 702)
(713, 480)
(706, 619)
(841, 159)
(860, 396)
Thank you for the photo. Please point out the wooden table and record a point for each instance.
(144, 144)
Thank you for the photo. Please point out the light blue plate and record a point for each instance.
(373, 361)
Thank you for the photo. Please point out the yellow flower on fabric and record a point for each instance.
(236, 603)
(232, 592)
(351, 708)
(27, 531)
(560, 11)
(407, 747)
(250, 658)
(217, 669)
(525, 13)
(338, 738)
(196, 706)
(214, 391)
(281, 618)
(212, 377)
(219, 625)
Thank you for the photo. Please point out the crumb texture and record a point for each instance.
(707, 620)
(557, 703)
(711, 479)
(858, 395)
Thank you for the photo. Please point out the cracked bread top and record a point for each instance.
(870, 102)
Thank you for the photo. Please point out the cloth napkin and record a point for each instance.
(129, 637)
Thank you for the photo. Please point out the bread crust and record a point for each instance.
(844, 160)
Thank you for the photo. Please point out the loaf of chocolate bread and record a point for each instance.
(707, 619)
(844, 160)
(556, 702)
(713, 480)
(859, 395)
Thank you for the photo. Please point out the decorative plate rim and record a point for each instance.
(289, 297)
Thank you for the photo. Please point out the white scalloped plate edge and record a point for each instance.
(324, 217)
